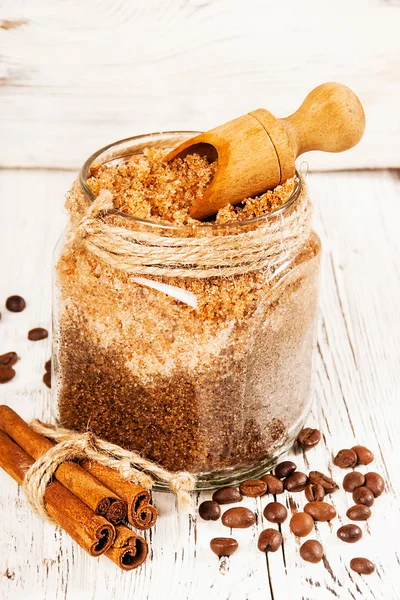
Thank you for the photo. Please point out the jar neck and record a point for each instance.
(123, 150)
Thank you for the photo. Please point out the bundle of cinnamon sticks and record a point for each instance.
(88, 500)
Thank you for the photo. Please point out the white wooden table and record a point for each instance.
(76, 75)
(357, 393)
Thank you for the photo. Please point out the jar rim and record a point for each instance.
(165, 135)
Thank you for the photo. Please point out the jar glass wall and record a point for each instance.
(211, 375)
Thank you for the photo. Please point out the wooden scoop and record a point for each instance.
(256, 152)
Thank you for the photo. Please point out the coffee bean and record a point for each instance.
(364, 456)
(238, 518)
(349, 533)
(359, 512)
(275, 512)
(363, 566)
(353, 480)
(6, 374)
(301, 524)
(223, 546)
(15, 303)
(314, 492)
(274, 485)
(345, 459)
(37, 334)
(209, 510)
(363, 495)
(327, 483)
(47, 379)
(47, 365)
(227, 495)
(308, 437)
(375, 483)
(270, 540)
(253, 488)
(320, 511)
(285, 469)
(8, 359)
(296, 482)
(311, 551)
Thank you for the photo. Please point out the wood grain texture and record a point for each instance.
(357, 389)
(78, 75)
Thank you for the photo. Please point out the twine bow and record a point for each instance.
(77, 446)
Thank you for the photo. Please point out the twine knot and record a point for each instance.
(182, 483)
(100, 206)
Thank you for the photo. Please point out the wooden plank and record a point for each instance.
(78, 75)
(357, 385)
(356, 343)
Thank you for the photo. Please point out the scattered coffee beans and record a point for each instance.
(275, 512)
(301, 524)
(296, 482)
(353, 480)
(364, 456)
(327, 483)
(349, 533)
(15, 304)
(363, 495)
(6, 374)
(285, 469)
(345, 459)
(210, 510)
(375, 483)
(47, 375)
(8, 359)
(363, 566)
(311, 551)
(253, 488)
(270, 540)
(37, 334)
(320, 511)
(308, 437)
(223, 546)
(227, 495)
(314, 492)
(359, 512)
(274, 485)
(47, 379)
(238, 518)
(364, 489)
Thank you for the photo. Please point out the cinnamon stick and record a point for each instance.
(129, 550)
(102, 500)
(92, 532)
(141, 514)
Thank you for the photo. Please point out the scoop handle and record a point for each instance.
(331, 119)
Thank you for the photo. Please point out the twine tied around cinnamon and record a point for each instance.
(186, 252)
(77, 446)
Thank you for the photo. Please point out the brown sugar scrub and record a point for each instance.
(202, 363)
(148, 188)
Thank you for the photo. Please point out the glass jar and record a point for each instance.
(210, 374)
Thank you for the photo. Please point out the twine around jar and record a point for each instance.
(142, 251)
(78, 446)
